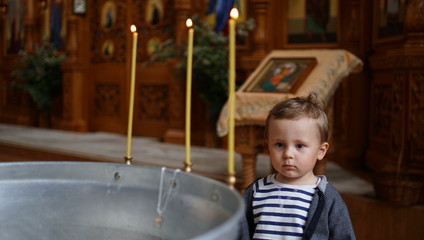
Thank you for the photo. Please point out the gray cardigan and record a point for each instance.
(328, 212)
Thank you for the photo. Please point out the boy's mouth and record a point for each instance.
(288, 166)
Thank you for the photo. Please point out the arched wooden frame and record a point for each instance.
(293, 15)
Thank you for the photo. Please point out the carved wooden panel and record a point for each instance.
(107, 99)
(397, 119)
(153, 102)
(108, 25)
(387, 131)
(154, 19)
(397, 116)
(399, 62)
(416, 121)
(380, 114)
(176, 104)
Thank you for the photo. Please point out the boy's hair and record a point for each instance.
(298, 107)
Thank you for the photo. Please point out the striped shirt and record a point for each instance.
(280, 210)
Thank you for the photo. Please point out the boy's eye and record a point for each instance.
(279, 145)
(300, 146)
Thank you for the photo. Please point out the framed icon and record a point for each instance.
(79, 6)
(282, 75)
(108, 14)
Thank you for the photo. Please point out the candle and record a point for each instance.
(231, 88)
(189, 24)
(131, 105)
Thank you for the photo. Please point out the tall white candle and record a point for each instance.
(231, 88)
(189, 24)
(132, 86)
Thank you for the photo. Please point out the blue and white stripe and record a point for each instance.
(280, 210)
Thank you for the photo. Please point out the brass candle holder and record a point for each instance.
(231, 180)
(187, 167)
(128, 160)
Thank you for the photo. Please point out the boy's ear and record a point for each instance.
(323, 150)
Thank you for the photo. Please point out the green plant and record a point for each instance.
(210, 63)
(39, 74)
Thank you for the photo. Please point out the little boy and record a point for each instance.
(294, 203)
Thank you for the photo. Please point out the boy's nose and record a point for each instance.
(288, 153)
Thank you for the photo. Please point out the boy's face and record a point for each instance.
(294, 147)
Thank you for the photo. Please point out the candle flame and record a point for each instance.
(133, 28)
(234, 14)
(189, 23)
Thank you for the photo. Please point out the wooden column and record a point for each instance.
(74, 116)
(260, 35)
(27, 114)
(182, 10)
(29, 25)
(351, 99)
(261, 39)
(249, 142)
(175, 134)
(396, 133)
